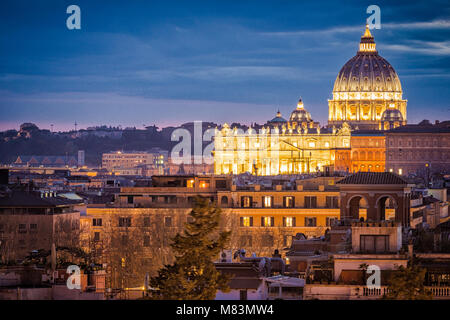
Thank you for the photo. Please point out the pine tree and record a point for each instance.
(193, 275)
(408, 284)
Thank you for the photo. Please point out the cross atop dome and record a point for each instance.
(300, 104)
(367, 33)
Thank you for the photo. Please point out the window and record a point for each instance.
(204, 184)
(267, 221)
(125, 222)
(246, 221)
(224, 201)
(289, 222)
(332, 202)
(267, 201)
(130, 199)
(221, 184)
(288, 202)
(331, 221)
(146, 241)
(96, 236)
(246, 202)
(97, 222)
(311, 202)
(375, 243)
(242, 294)
(33, 227)
(168, 221)
(310, 222)
(146, 221)
(22, 228)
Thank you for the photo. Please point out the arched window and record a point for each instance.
(224, 201)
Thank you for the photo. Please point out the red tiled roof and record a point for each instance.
(373, 178)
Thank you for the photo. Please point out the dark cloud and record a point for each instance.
(225, 53)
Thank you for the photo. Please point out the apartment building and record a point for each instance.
(31, 220)
(155, 158)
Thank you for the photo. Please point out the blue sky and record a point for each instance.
(138, 63)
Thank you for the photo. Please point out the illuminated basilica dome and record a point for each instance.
(278, 119)
(364, 88)
(300, 114)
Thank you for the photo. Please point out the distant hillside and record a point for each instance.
(30, 140)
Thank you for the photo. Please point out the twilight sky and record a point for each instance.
(137, 62)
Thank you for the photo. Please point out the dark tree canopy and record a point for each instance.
(408, 284)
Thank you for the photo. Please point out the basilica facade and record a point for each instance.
(367, 100)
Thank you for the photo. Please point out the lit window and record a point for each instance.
(246, 202)
(190, 183)
(312, 144)
(204, 184)
(246, 221)
(289, 222)
(267, 221)
(327, 144)
(288, 202)
(400, 171)
(267, 201)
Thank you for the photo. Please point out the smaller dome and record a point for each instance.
(300, 114)
(391, 115)
(278, 118)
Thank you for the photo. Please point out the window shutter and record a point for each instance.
(284, 221)
(271, 202)
(251, 221)
(262, 221)
(293, 202)
(272, 221)
(241, 221)
(294, 222)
